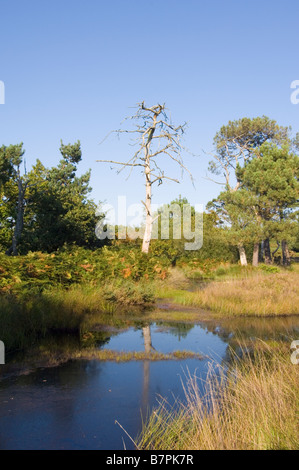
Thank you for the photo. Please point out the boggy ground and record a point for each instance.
(78, 312)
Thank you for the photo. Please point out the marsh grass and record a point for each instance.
(24, 319)
(228, 271)
(51, 353)
(253, 406)
(260, 294)
(125, 356)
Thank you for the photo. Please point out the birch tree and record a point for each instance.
(155, 136)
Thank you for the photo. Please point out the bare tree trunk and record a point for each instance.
(243, 259)
(146, 330)
(148, 189)
(286, 258)
(147, 339)
(13, 250)
(19, 221)
(145, 389)
(148, 214)
(267, 251)
(255, 257)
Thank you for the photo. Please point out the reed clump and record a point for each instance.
(253, 406)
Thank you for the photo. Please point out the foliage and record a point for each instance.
(236, 142)
(47, 207)
(269, 269)
(36, 272)
(272, 178)
(263, 203)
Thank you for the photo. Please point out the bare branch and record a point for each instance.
(179, 161)
(210, 179)
(160, 177)
(120, 163)
(160, 151)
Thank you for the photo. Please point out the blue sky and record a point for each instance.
(74, 69)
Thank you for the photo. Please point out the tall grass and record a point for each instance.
(24, 319)
(261, 294)
(254, 407)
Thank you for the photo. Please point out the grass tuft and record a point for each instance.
(253, 407)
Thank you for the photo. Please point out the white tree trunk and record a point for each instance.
(148, 216)
(13, 250)
(147, 339)
(148, 192)
(243, 259)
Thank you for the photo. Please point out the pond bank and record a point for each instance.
(26, 318)
(91, 344)
(74, 404)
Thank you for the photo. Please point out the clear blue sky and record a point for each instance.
(72, 69)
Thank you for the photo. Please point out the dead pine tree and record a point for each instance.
(19, 222)
(155, 136)
(13, 156)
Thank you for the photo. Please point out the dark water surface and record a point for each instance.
(75, 405)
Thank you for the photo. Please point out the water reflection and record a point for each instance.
(146, 331)
(248, 328)
(75, 405)
(148, 347)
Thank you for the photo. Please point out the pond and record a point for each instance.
(78, 405)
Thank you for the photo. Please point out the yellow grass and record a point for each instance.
(255, 408)
(263, 294)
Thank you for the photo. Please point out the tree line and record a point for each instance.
(255, 161)
(259, 162)
(45, 208)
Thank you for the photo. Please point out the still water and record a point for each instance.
(76, 405)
